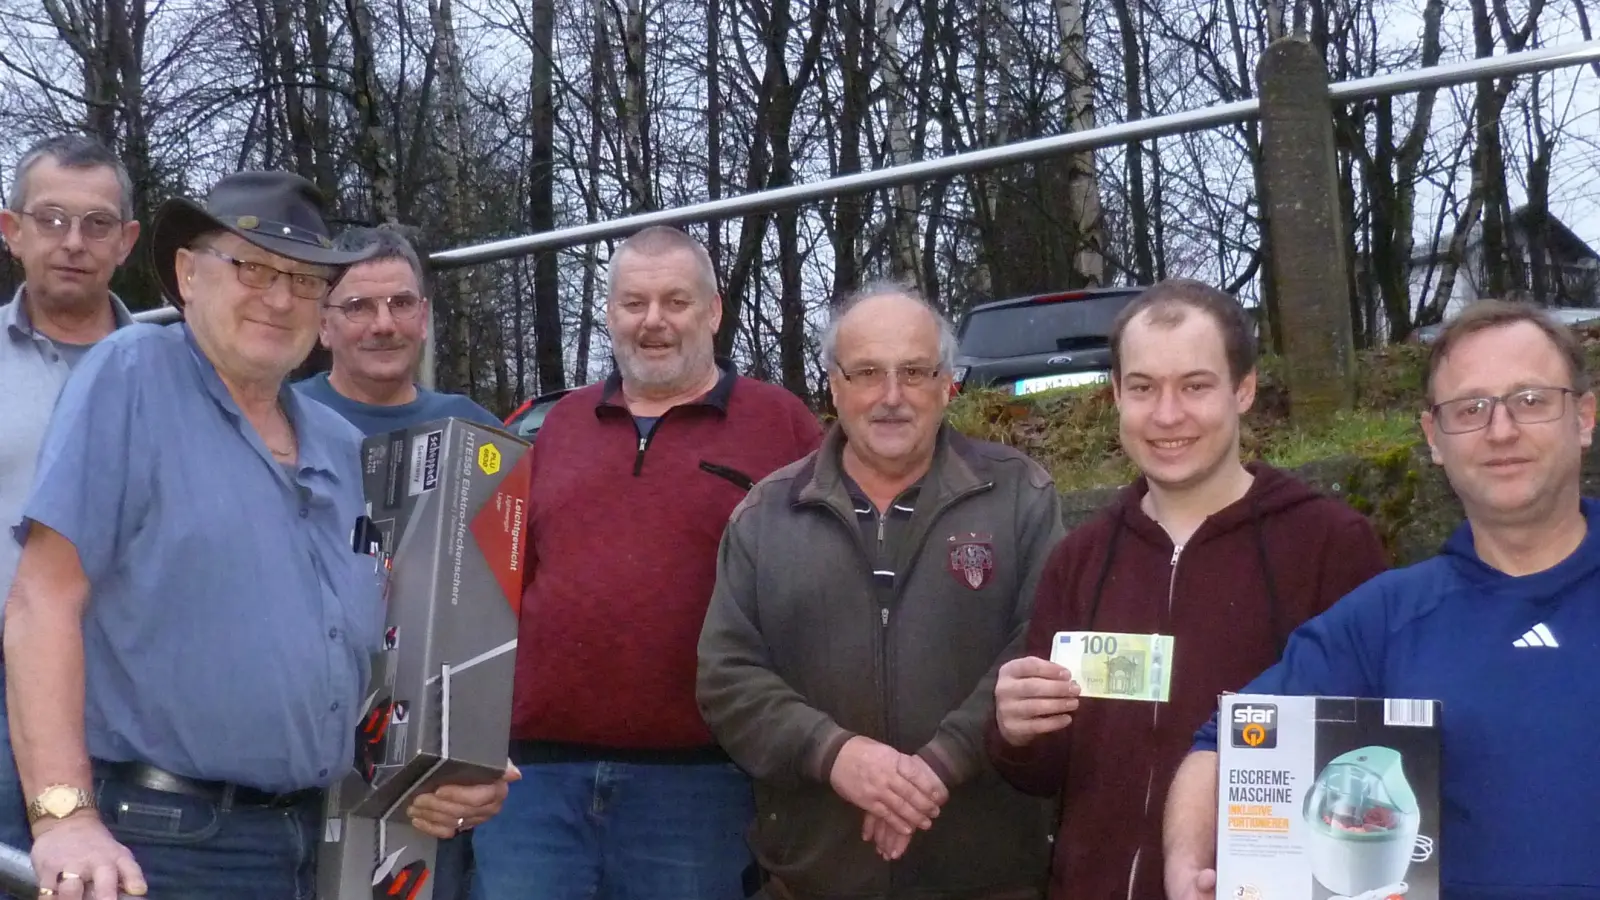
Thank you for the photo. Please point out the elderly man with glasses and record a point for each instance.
(1502, 627)
(190, 633)
(866, 597)
(375, 325)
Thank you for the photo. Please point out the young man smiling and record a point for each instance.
(1226, 557)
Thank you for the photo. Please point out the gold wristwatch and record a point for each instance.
(59, 801)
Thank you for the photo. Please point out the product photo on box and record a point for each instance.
(1328, 798)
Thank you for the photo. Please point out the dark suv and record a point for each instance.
(1032, 344)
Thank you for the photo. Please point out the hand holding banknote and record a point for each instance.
(1033, 696)
(1116, 666)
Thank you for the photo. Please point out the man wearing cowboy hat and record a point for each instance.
(189, 632)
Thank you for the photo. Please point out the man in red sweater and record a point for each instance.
(1226, 557)
(624, 793)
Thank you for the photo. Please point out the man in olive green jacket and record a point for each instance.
(866, 596)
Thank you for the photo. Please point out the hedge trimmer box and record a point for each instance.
(446, 522)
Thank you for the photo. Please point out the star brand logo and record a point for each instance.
(972, 559)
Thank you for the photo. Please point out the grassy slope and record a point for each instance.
(1073, 431)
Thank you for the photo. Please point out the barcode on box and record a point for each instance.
(1412, 713)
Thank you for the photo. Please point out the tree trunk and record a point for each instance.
(1138, 208)
(287, 74)
(714, 113)
(374, 144)
(903, 203)
(849, 213)
(598, 60)
(452, 137)
(1083, 188)
(542, 214)
(1392, 197)
(636, 116)
(1548, 288)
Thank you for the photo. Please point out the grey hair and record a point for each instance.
(658, 240)
(887, 288)
(391, 245)
(71, 151)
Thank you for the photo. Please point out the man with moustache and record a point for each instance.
(1226, 557)
(1503, 627)
(625, 793)
(70, 223)
(189, 634)
(865, 597)
(374, 324)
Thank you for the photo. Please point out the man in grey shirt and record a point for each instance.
(70, 222)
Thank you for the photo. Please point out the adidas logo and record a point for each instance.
(1537, 636)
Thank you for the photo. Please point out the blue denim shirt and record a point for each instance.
(32, 370)
(230, 624)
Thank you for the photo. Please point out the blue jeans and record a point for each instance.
(618, 831)
(452, 869)
(14, 828)
(195, 849)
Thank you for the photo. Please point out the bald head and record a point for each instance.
(888, 309)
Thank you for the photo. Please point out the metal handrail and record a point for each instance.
(161, 315)
(1526, 62)
(17, 877)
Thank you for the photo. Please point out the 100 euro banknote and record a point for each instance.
(1116, 666)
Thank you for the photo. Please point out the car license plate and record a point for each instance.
(1065, 379)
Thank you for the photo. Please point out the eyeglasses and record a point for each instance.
(877, 376)
(1525, 407)
(403, 307)
(53, 221)
(262, 276)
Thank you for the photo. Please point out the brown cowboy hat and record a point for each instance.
(279, 212)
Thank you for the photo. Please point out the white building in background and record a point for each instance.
(1572, 267)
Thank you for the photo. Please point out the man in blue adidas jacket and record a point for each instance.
(1503, 627)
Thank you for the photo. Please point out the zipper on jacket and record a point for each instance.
(1172, 579)
(872, 554)
(734, 475)
(638, 458)
(886, 692)
(645, 439)
(1155, 716)
(1172, 591)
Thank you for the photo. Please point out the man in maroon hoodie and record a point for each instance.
(1224, 556)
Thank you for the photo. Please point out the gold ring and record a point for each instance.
(47, 892)
(66, 875)
(461, 823)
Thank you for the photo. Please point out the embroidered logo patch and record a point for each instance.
(972, 559)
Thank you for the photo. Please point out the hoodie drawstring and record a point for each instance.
(1274, 606)
(1105, 570)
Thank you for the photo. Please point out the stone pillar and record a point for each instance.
(1300, 207)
